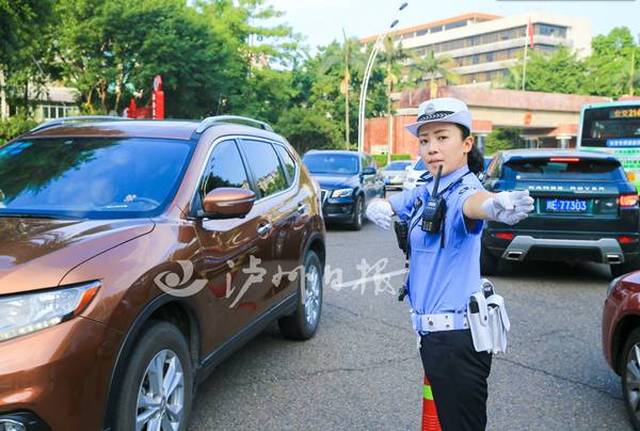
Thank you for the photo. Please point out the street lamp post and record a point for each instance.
(367, 75)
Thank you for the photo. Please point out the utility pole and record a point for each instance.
(367, 74)
(390, 113)
(346, 82)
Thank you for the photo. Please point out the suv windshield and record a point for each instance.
(341, 164)
(397, 166)
(564, 168)
(420, 166)
(89, 177)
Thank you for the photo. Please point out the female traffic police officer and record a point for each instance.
(444, 243)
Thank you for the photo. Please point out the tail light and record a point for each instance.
(624, 239)
(505, 235)
(628, 200)
(565, 159)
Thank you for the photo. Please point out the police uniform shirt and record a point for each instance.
(441, 279)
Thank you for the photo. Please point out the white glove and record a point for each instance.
(508, 207)
(380, 212)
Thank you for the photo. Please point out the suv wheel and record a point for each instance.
(358, 214)
(630, 377)
(157, 388)
(489, 264)
(303, 324)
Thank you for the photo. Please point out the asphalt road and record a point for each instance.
(362, 370)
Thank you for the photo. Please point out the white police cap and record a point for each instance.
(445, 110)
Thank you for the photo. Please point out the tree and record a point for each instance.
(611, 69)
(214, 56)
(502, 139)
(263, 77)
(559, 72)
(111, 49)
(25, 56)
(309, 129)
(317, 82)
(432, 67)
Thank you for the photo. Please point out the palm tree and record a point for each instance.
(345, 57)
(432, 67)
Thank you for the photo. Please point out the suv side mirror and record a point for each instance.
(369, 170)
(227, 202)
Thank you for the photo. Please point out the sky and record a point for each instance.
(322, 21)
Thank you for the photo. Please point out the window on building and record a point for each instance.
(455, 25)
(550, 30)
(422, 32)
(50, 112)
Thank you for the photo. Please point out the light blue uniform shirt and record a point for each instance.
(441, 280)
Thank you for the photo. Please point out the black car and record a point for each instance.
(585, 209)
(348, 180)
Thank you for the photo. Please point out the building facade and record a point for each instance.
(484, 47)
(544, 120)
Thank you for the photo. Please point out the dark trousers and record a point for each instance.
(458, 376)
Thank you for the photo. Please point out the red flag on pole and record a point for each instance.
(530, 33)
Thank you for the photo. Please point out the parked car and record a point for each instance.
(621, 338)
(395, 173)
(416, 175)
(585, 210)
(348, 180)
(127, 250)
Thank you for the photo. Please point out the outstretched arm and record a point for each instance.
(505, 207)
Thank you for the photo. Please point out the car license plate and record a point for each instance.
(566, 206)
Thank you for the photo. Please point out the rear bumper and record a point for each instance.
(537, 246)
(604, 250)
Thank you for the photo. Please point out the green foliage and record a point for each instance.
(560, 72)
(502, 139)
(612, 69)
(317, 103)
(431, 67)
(381, 160)
(15, 126)
(309, 129)
(25, 47)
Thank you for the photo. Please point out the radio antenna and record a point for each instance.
(437, 181)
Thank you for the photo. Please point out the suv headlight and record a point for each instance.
(342, 193)
(23, 314)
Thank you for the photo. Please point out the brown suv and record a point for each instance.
(136, 255)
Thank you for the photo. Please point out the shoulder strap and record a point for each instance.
(454, 184)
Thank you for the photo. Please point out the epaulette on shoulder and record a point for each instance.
(426, 176)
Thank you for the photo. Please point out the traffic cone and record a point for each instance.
(430, 420)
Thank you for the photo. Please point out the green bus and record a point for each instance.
(613, 127)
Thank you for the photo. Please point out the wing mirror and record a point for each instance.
(227, 202)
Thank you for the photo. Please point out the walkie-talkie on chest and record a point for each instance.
(434, 209)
